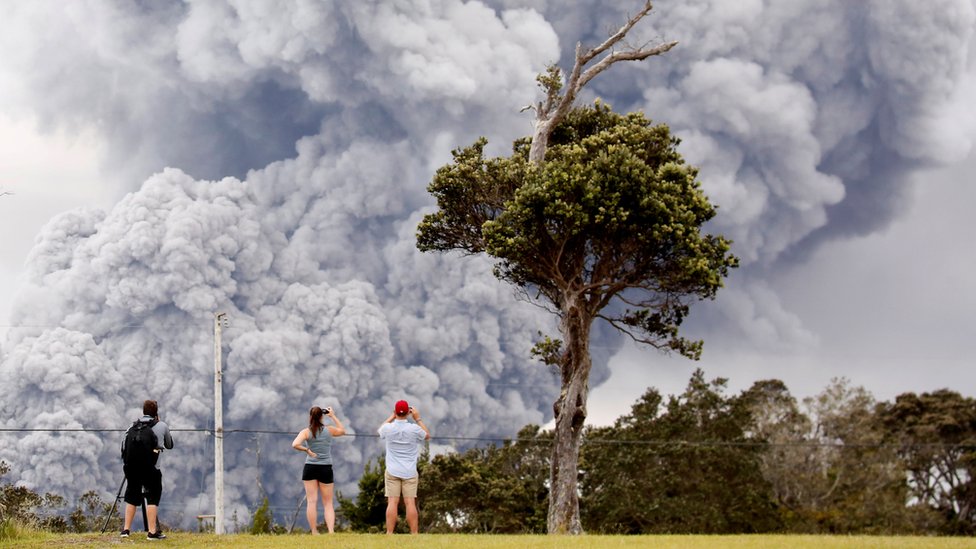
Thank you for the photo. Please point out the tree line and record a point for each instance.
(707, 462)
(703, 461)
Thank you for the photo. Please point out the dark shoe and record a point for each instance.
(157, 535)
(124, 534)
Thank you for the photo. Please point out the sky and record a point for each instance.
(169, 161)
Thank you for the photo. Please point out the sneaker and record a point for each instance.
(124, 534)
(157, 535)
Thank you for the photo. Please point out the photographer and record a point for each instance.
(317, 473)
(403, 441)
(142, 444)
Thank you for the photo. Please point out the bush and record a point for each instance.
(11, 529)
(89, 514)
(263, 520)
(22, 509)
(368, 512)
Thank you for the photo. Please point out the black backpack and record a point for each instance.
(139, 450)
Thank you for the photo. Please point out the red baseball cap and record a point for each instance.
(401, 407)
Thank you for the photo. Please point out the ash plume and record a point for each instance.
(276, 162)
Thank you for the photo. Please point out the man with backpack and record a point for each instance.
(141, 446)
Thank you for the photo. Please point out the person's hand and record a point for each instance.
(329, 412)
(415, 413)
(310, 452)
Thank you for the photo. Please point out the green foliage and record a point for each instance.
(368, 512)
(935, 434)
(24, 509)
(547, 349)
(551, 82)
(185, 540)
(692, 468)
(495, 489)
(263, 520)
(89, 514)
(12, 529)
(829, 468)
(863, 488)
(613, 213)
(16, 502)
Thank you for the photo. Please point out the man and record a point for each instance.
(141, 446)
(403, 441)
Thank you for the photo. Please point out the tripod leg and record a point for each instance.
(115, 504)
(145, 520)
(295, 518)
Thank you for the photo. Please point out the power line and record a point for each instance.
(120, 326)
(585, 440)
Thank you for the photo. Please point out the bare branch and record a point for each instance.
(555, 107)
(656, 343)
(606, 286)
(521, 293)
(617, 36)
(578, 78)
(632, 55)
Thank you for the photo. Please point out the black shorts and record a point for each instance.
(135, 481)
(321, 473)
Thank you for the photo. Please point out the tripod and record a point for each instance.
(118, 497)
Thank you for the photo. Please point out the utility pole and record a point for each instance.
(220, 321)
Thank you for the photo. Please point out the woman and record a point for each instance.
(317, 474)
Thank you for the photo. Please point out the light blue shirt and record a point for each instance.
(402, 447)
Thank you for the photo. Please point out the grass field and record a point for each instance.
(427, 541)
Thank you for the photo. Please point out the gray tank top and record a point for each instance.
(322, 446)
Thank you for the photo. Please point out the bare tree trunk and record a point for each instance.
(570, 412)
(575, 318)
(540, 140)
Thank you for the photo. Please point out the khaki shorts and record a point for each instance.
(396, 486)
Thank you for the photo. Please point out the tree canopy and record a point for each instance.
(613, 214)
(935, 434)
(706, 462)
(692, 467)
(491, 489)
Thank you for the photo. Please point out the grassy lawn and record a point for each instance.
(378, 541)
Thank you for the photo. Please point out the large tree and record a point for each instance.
(609, 226)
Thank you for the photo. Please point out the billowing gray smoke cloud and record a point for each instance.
(312, 257)
(807, 118)
(304, 137)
